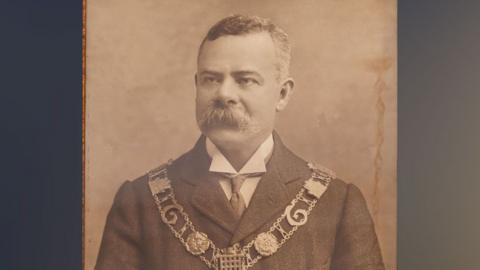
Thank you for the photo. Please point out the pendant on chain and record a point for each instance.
(233, 258)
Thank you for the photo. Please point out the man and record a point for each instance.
(240, 199)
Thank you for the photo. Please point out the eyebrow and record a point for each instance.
(238, 73)
(210, 72)
(246, 73)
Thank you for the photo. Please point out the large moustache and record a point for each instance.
(220, 113)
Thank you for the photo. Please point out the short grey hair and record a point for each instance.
(235, 25)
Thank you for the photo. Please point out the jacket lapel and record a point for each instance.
(284, 177)
(204, 191)
(275, 190)
(210, 200)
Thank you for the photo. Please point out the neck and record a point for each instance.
(239, 152)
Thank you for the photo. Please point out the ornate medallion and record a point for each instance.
(266, 244)
(197, 243)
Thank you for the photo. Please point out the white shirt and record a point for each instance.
(255, 164)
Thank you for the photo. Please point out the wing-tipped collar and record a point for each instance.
(194, 165)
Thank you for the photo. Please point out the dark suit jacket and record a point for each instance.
(339, 234)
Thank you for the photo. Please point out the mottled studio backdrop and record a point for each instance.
(141, 59)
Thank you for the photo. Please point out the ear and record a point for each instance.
(286, 91)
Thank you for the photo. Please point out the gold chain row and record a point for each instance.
(265, 244)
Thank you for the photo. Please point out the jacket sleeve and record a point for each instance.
(356, 244)
(120, 247)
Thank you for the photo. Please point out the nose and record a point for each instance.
(227, 91)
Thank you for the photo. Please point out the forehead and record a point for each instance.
(250, 51)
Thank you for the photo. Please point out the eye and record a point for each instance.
(246, 81)
(210, 80)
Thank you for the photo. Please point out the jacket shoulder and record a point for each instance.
(345, 192)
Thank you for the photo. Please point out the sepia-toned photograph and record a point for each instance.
(236, 135)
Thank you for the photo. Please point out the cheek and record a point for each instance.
(202, 96)
(264, 107)
(201, 101)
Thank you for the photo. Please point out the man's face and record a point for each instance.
(238, 91)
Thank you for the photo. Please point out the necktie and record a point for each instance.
(237, 201)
